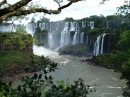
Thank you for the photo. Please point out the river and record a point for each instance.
(108, 82)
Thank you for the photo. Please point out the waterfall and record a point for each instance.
(92, 24)
(65, 38)
(50, 40)
(72, 26)
(31, 28)
(65, 35)
(42, 26)
(76, 38)
(56, 26)
(77, 27)
(83, 24)
(7, 28)
(98, 46)
(50, 27)
(102, 42)
(82, 37)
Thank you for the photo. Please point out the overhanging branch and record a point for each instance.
(3, 2)
(19, 12)
(14, 7)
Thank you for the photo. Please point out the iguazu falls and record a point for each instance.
(79, 49)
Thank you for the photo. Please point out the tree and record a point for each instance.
(18, 8)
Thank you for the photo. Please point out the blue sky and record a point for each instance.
(80, 9)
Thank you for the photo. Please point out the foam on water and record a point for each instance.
(41, 50)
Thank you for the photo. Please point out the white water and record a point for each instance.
(83, 24)
(92, 24)
(97, 46)
(102, 42)
(75, 38)
(50, 40)
(65, 35)
(72, 26)
(7, 28)
(40, 50)
(82, 37)
(42, 26)
(31, 27)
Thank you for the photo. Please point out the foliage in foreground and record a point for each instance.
(42, 85)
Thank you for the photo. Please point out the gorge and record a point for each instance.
(59, 34)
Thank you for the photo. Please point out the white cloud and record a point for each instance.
(89, 7)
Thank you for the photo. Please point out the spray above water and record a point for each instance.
(40, 50)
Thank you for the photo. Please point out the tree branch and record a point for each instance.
(3, 2)
(19, 12)
(14, 7)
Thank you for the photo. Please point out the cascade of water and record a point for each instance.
(96, 50)
(31, 28)
(75, 38)
(65, 35)
(42, 26)
(82, 37)
(83, 24)
(92, 24)
(103, 35)
(50, 27)
(72, 26)
(76, 27)
(98, 46)
(50, 40)
(7, 28)
(56, 26)
(46, 26)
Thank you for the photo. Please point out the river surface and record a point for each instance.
(108, 83)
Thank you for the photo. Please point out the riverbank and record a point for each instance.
(82, 50)
(16, 63)
(101, 61)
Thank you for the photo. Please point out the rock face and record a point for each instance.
(75, 50)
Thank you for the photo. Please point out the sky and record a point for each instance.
(80, 9)
(87, 8)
